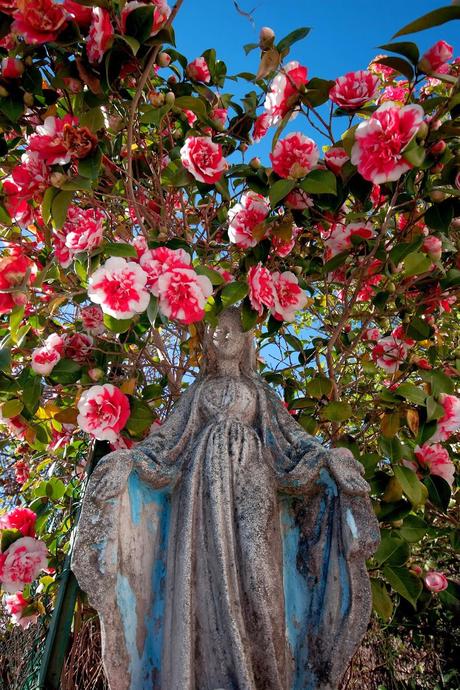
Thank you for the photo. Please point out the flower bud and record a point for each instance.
(156, 98)
(435, 582)
(4, 92)
(95, 374)
(437, 196)
(422, 131)
(172, 80)
(163, 59)
(170, 98)
(266, 38)
(255, 163)
(439, 147)
(28, 98)
(57, 179)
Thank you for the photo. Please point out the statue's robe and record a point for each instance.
(221, 554)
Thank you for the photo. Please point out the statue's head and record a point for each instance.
(228, 341)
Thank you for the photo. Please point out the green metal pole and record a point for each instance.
(57, 639)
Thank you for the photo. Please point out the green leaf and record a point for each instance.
(418, 329)
(279, 190)
(152, 310)
(117, 325)
(119, 249)
(93, 118)
(175, 175)
(427, 21)
(12, 408)
(405, 583)
(400, 251)
(66, 371)
(411, 393)
(233, 293)
(405, 48)
(139, 23)
(249, 47)
(194, 104)
(154, 116)
(413, 529)
(320, 182)
(439, 216)
(248, 316)
(319, 386)
(433, 409)
(399, 65)
(337, 411)
(381, 600)
(438, 491)
(416, 263)
(132, 42)
(77, 184)
(55, 489)
(392, 549)
(140, 418)
(46, 203)
(439, 382)
(214, 276)
(16, 317)
(91, 165)
(9, 536)
(317, 92)
(292, 38)
(32, 392)
(5, 359)
(410, 484)
(59, 206)
(450, 597)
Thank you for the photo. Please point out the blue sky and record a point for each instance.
(344, 35)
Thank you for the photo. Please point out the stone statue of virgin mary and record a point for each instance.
(227, 551)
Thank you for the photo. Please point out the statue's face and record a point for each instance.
(227, 338)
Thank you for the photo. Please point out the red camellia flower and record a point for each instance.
(100, 35)
(15, 270)
(289, 297)
(354, 90)
(198, 70)
(436, 459)
(45, 358)
(161, 14)
(335, 158)
(204, 159)
(21, 563)
(261, 288)
(450, 421)
(16, 606)
(38, 21)
(119, 287)
(435, 57)
(8, 6)
(12, 68)
(294, 156)
(245, 217)
(380, 142)
(285, 90)
(81, 14)
(183, 294)
(21, 471)
(48, 140)
(22, 519)
(103, 412)
(261, 126)
(435, 582)
(157, 261)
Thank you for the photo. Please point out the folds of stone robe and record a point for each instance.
(248, 574)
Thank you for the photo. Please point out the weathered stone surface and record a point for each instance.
(227, 551)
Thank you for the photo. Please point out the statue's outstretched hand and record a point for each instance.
(347, 472)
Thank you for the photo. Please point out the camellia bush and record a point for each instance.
(133, 212)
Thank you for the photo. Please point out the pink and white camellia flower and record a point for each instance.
(435, 57)
(83, 229)
(432, 246)
(183, 294)
(45, 358)
(450, 421)
(103, 412)
(204, 159)
(119, 286)
(82, 15)
(28, 179)
(371, 334)
(15, 269)
(354, 89)
(261, 288)
(38, 21)
(15, 606)
(338, 238)
(157, 261)
(436, 459)
(391, 351)
(12, 68)
(92, 319)
(219, 115)
(298, 200)
(261, 126)
(161, 13)
(245, 217)
(294, 156)
(284, 247)
(378, 151)
(17, 426)
(21, 563)
(198, 70)
(78, 347)
(22, 519)
(100, 35)
(289, 297)
(48, 139)
(435, 582)
(335, 158)
(285, 90)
